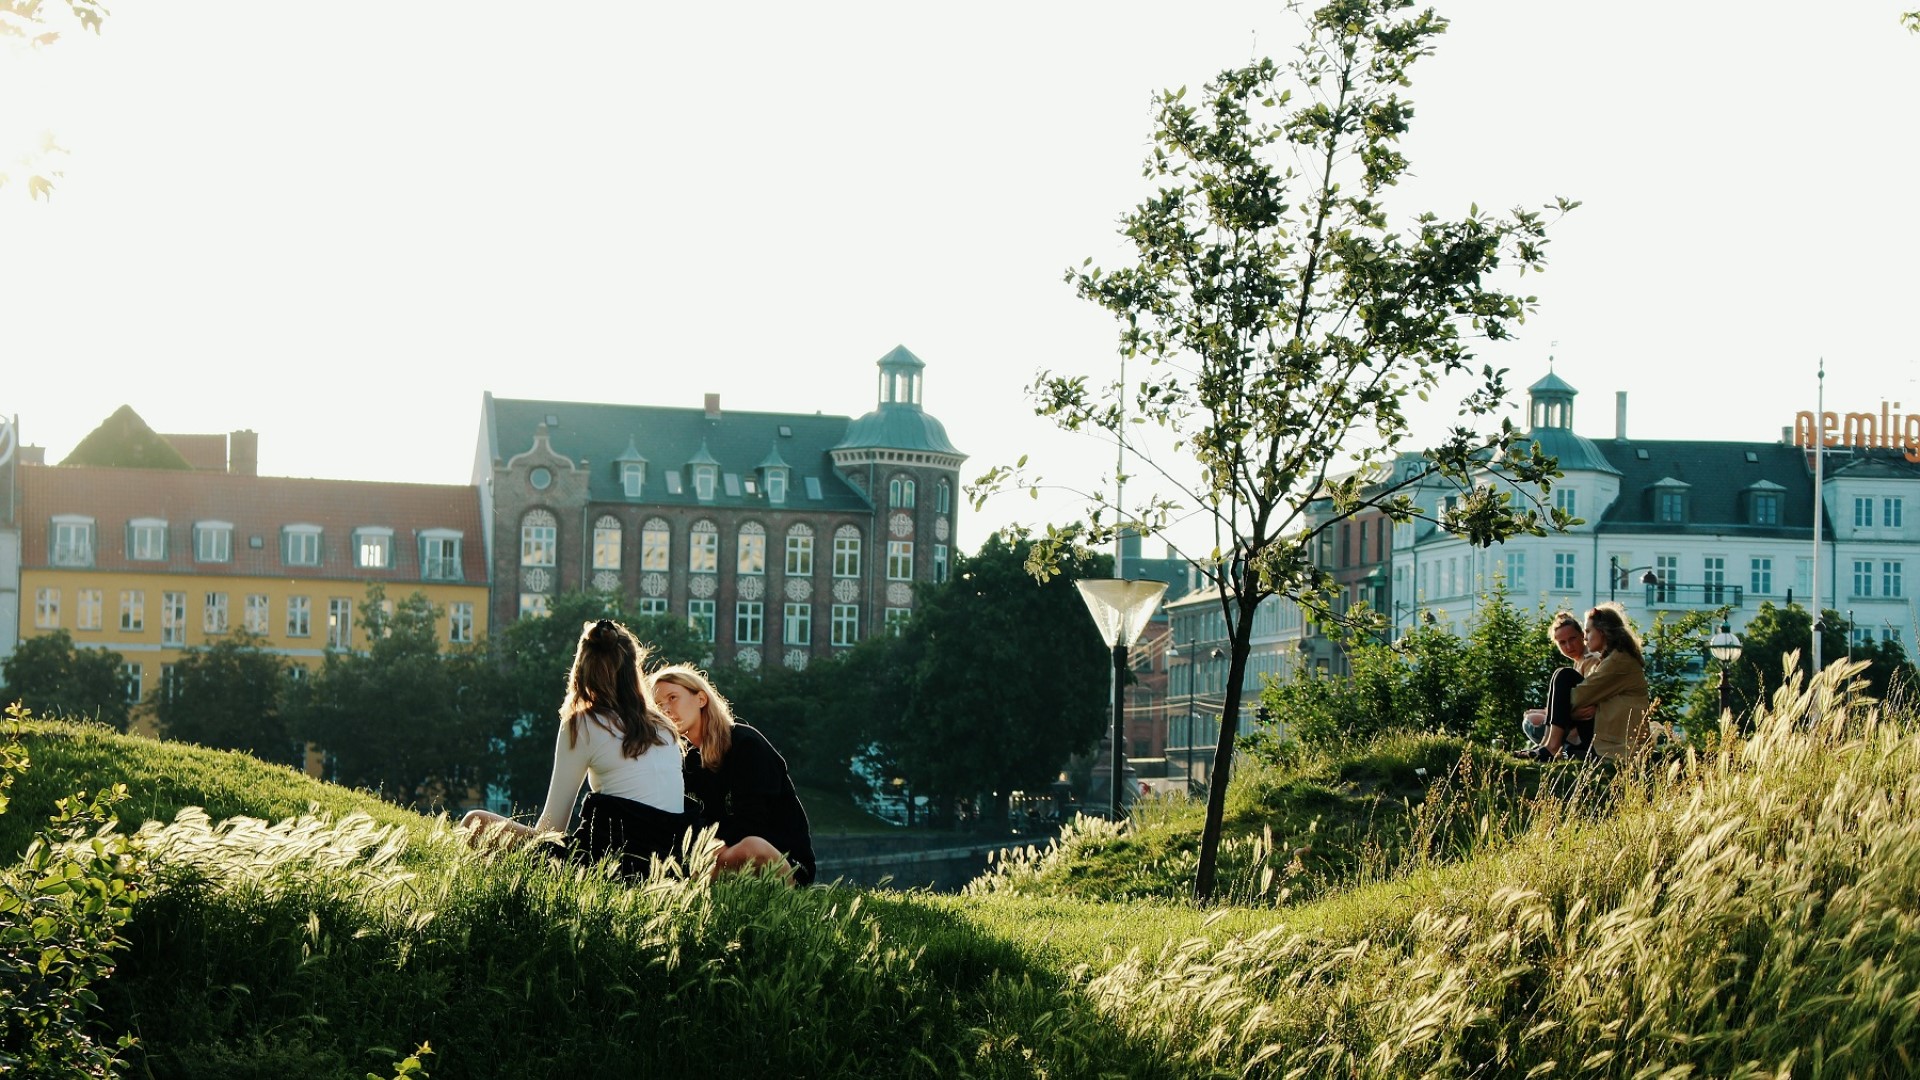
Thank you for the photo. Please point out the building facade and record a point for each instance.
(1711, 523)
(779, 537)
(151, 562)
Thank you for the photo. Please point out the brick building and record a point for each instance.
(779, 536)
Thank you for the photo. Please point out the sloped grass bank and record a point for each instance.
(1754, 911)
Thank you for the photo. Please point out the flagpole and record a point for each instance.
(1819, 502)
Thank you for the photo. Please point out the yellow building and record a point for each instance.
(150, 562)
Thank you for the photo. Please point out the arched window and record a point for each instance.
(656, 545)
(900, 493)
(606, 543)
(846, 552)
(800, 551)
(753, 549)
(539, 538)
(943, 498)
(703, 549)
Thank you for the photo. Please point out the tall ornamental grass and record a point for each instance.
(1753, 911)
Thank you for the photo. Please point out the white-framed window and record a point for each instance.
(1893, 512)
(1863, 577)
(131, 676)
(900, 493)
(633, 478)
(147, 540)
(897, 619)
(213, 541)
(1861, 636)
(899, 560)
(440, 555)
(1863, 511)
(1517, 571)
(1565, 568)
(256, 613)
(800, 551)
(533, 605)
(749, 622)
(704, 479)
(87, 609)
(606, 543)
(846, 624)
(460, 623)
(1766, 508)
(797, 624)
(939, 563)
(753, 549)
(72, 541)
(700, 617)
(539, 539)
(133, 610)
(943, 498)
(339, 622)
(703, 548)
(1713, 579)
(373, 548)
(653, 605)
(1667, 569)
(1892, 576)
(46, 609)
(846, 552)
(300, 545)
(213, 614)
(1803, 576)
(776, 486)
(1566, 500)
(656, 545)
(169, 682)
(173, 618)
(1761, 579)
(1672, 506)
(299, 616)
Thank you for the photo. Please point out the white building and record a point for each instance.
(1715, 523)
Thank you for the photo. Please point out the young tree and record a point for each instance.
(403, 718)
(49, 675)
(227, 696)
(1283, 323)
(1006, 680)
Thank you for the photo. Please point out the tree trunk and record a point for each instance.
(1239, 645)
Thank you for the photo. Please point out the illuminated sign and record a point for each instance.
(1886, 430)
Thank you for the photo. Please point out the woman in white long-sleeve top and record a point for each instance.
(611, 735)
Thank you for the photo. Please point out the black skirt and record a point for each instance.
(636, 832)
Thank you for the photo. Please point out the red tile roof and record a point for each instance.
(256, 506)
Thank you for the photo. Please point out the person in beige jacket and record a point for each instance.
(1616, 687)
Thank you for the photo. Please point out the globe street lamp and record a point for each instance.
(1725, 648)
(1616, 575)
(1120, 610)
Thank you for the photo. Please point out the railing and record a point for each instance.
(1664, 595)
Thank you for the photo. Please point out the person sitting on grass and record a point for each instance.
(612, 735)
(1616, 687)
(1559, 727)
(736, 780)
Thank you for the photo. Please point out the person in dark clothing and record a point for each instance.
(736, 780)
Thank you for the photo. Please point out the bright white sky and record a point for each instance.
(340, 228)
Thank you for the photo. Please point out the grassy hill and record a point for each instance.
(1751, 910)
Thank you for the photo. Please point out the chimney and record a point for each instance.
(713, 406)
(1620, 415)
(243, 453)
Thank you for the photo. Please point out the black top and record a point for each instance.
(751, 794)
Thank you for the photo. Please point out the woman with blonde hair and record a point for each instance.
(1617, 685)
(612, 736)
(736, 780)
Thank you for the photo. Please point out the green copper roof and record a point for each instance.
(897, 427)
(901, 356)
(773, 460)
(1576, 453)
(1552, 384)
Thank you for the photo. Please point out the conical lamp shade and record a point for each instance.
(1120, 608)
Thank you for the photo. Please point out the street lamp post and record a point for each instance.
(1120, 610)
(1725, 648)
(1616, 574)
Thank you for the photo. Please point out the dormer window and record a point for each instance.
(72, 541)
(633, 478)
(147, 540)
(1667, 501)
(704, 479)
(776, 481)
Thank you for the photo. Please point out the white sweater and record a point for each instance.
(652, 778)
